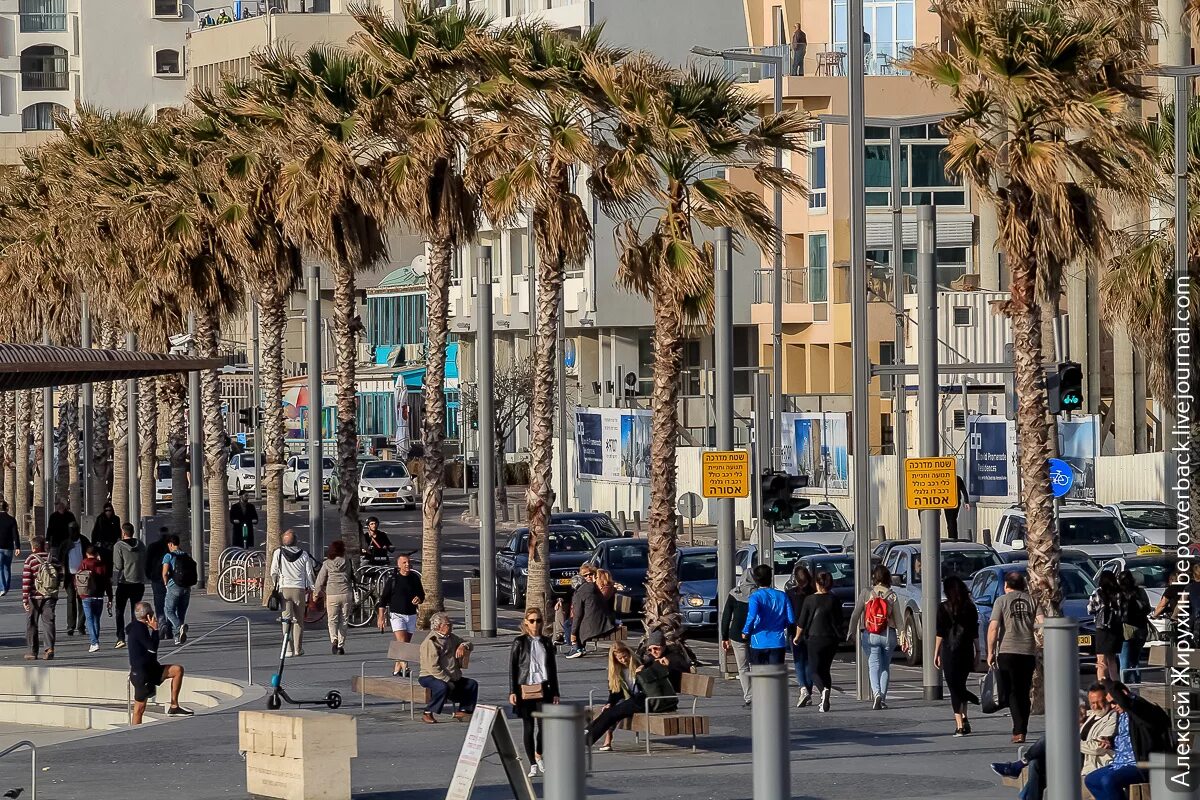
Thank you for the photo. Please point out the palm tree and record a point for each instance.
(1056, 79)
(534, 140)
(674, 131)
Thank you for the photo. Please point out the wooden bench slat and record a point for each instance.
(390, 688)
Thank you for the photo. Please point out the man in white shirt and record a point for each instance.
(292, 574)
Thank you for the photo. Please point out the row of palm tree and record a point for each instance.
(435, 122)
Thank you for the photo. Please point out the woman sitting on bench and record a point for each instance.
(631, 688)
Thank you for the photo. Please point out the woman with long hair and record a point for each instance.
(798, 590)
(1136, 626)
(957, 647)
(878, 620)
(1107, 607)
(624, 700)
(336, 582)
(820, 628)
(533, 681)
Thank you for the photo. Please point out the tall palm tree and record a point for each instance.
(675, 130)
(433, 62)
(8, 440)
(1056, 78)
(534, 139)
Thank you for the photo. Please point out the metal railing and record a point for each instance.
(45, 81)
(821, 59)
(26, 745)
(362, 677)
(795, 285)
(226, 623)
(43, 23)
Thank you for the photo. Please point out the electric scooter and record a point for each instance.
(278, 694)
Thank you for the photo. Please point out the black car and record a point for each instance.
(569, 548)
(627, 560)
(600, 526)
(1089, 565)
(840, 567)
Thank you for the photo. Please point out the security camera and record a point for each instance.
(181, 343)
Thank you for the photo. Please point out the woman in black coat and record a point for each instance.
(957, 647)
(533, 680)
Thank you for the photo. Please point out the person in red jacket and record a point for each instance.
(93, 584)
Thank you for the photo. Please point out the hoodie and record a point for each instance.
(336, 577)
(734, 617)
(129, 561)
(291, 568)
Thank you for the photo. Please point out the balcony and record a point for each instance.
(45, 81)
(818, 59)
(43, 23)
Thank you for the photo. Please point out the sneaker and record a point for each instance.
(178, 711)
(183, 633)
(335, 649)
(1008, 769)
(966, 727)
(746, 703)
(70, 633)
(341, 651)
(959, 732)
(119, 645)
(605, 748)
(4, 592)
(824, 699)
(178, 640)
(541, 765)
(576, 653)
(31, 657)
(95, 648)
(533, 770)
(805, 698)
(49, 654)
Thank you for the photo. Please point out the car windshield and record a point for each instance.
(816, 520)
(246, 461)
(164, 471)
(698, 567)
(1083, 531)
(840, 569)
(1146, 519)
(563, 541)
(384, 469)
(963, 563)
(629, 556)
(1151, 575)
(786, 556)
(1075, 585)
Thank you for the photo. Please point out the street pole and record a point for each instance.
(776, 452)
(900, 385)
(255, 401)
(769, 732)
(48, 445)
(723, 345)
(1062, 707)
(312, 335)
(195, 455)
(859, 342)
(927, 357)
(560, 377)
(486, 377)
(566, 767)
(131, 451)
(85, 409)
(763, 440)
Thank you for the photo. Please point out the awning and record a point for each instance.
(414, 377)
(33, 366)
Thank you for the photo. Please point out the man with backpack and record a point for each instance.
(41, 580)
(179, 574)
(129, 574)
(70, 554)
(878, 618)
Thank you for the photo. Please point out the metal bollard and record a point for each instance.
(987, 536)
(621, 523)
(741, 530)
(566, 775)
(637, 521)
(770, 735)
(1062, 707)
(880, 533)
(472, 505)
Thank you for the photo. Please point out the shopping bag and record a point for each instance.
(993, 695)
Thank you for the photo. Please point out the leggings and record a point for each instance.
(1017, 670)
(956, 667)
(820, 658)
(533, 743)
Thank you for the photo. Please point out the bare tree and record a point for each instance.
(512, 392)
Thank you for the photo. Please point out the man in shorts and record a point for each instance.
(402, 593)
(145, 673)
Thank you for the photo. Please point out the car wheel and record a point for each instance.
(914, 640)
(514, 593)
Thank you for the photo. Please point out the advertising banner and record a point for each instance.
(612, 444)
(1078, 445)
(991, 459)
(817, 444)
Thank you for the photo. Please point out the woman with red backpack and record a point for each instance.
(93, 584)
(878, 619)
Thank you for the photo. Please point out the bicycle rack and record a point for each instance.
(26, 745)
(226, 623)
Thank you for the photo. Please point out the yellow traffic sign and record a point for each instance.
(930, 483)
(725, 473)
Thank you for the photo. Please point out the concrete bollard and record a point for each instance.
(566, 769)
(741, 530)
(637, 521)
(880, 533)
(472, 505)
(621, 523)
(770, 740)
(987, 536)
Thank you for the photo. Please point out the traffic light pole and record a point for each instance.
(255, 400)
(763, 440)
(927, 388)
(723, 345)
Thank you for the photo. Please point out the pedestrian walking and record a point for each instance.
(336, 582)
(798, 590)
(820, 628)
(402, 595)
(1012, 651)
(243, 516)
(962, 500)
(156, 551)
(957, 647)
(799, 48)
(129, 575)
(93, 584)
(179, 575)
(292, 575)
(58, 526)
(877, 620)
(768, 615)
(1137, 625)
(623, 698)
(145, 671)
(1142, 728)
(377, 551)
(592, 613)
(70, 555)
(10, 547)
(443, 658)
(41, 581)
(532, 682)
(1107, 607)
(733, 620)
(106, 530)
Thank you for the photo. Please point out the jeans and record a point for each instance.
(39, 624)
(1109, 783)
(74, 606)
(93, 609)
(128, 594)
(879, 647)
(1017, 672)
(6, 557)
(800, 662)
(159, 591)
(798, 52)
(1131, 658)
(463, 691)
(769, 655)
(176, 605)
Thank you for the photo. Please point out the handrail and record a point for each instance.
(226, 623)
(32, 763)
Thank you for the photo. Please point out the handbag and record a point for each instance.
(531, 691)
(993, 695)
(1130, 631)
(275, 601)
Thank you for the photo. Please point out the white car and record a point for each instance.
(1154, 520)
(239, 474)
(820, 523)
(1085, 527)
(386, 483)
(296, 482)
(162, 483)
(787, 553)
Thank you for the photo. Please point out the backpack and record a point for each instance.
(47, 581)
(184, 571)
(654, 681)
(87, 583)
(875, 614)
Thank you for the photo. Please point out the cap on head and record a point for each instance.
(656, 639)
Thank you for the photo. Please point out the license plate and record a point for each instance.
(387, 494)
(1085, 641)
(563, 581)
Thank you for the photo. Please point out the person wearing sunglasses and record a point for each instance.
(533, 681)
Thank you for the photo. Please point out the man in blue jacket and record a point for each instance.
(767, 619)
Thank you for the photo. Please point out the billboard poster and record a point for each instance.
(991, 459)
(817, 444)
(612, 444)
(635, 446)
(1078, 445)
(589, 443)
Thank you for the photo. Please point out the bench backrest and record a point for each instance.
(696, 684)
(404, 651)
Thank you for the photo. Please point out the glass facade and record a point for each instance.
(396, 320)
(890, 27)
(818, 268)
(923, 177)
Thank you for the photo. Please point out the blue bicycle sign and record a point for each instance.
(1062, 477)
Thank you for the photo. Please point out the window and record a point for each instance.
(168, 8)
(376, 415)
(960, 419)
(923, 178)
(887, 355)
(166, 62)
(44, 68)
(396, 320)
(890, 32)
(818, 268)
(818, 198)
(40, 116)
(43, 16)
(962, 316)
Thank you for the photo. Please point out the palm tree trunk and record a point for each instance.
(70, 483)
(273, 318)
(147, 447)
(345, 337)
(661, 611)
(438, 302)
(21, 476)
(8, 407)
(120, 453)
(101, 431)
(216, 447)
(172, 392)
(38, 513)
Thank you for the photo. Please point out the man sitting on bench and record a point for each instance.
(443, 656)
(145, 673)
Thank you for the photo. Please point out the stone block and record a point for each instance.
(298, 755)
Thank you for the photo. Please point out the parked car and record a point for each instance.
(296, 480)
(959, 558)
(840, 567)
(599, 525)
(628, 560)
(697, 570)
(569, 549)
(822, 523)
(381, 484)
(1083, 527)
(1152, 571)
(239, 474)
(1158, 522)
(787, 553)
(162, 483)
(988, 585)
(881, 549)
(1086, 563)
